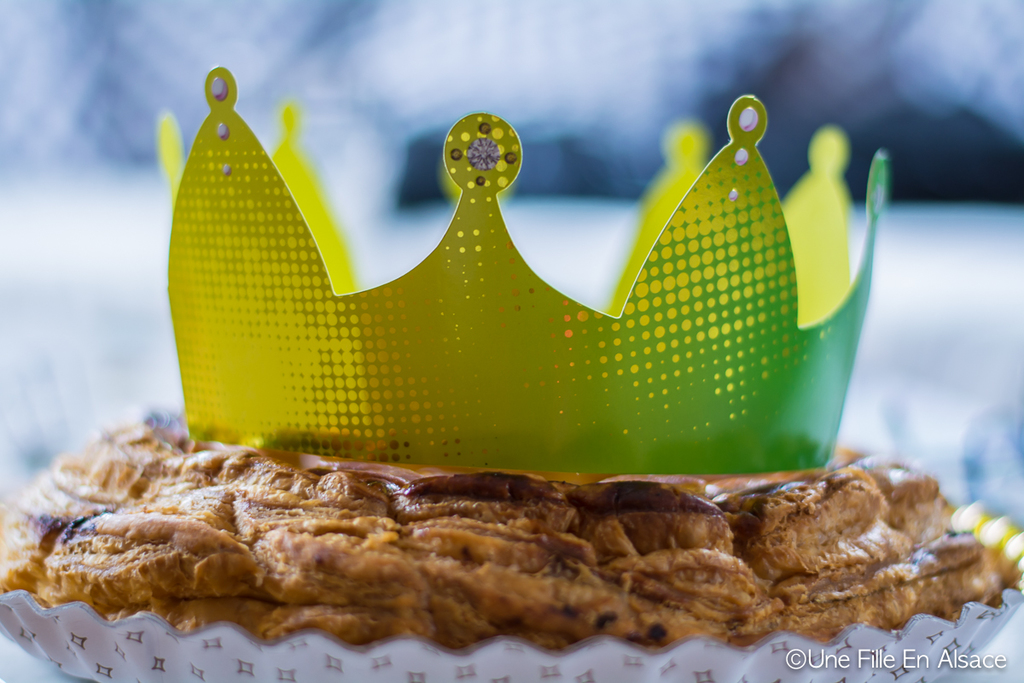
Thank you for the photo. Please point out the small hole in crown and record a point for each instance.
(227, 169)
(456, 154)
(219, 89)
(748, 119)
(511, 158)
(223, 131)
(485, 128)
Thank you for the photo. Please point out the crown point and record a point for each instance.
(879, 180)
(685, 144)
(290, 119)
(221, 90)
(479, 140)
(747, 120)
(829, 151)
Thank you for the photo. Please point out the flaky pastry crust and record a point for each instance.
(142, 520)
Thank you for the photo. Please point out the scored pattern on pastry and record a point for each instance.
(471, 358)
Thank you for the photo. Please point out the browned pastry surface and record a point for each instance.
(139, 521)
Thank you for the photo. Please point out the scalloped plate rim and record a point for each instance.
(1012, 600)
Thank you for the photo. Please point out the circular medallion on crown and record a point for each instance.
(482, 154)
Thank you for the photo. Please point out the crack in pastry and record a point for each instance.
(144, 520)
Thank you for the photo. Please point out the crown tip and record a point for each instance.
(829, 150)
(748, 120)
(686, 142)
(482, 153)
(221, 89)
(291, 117)
(879, 182)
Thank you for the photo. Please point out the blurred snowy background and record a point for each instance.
(85, 333)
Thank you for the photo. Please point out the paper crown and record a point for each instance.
(471, 359)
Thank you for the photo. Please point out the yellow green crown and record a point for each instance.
(471, 359)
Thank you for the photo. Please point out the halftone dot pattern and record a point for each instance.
(719, 287)
(247, 286)
(471, 359)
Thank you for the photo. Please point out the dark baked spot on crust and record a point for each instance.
(656, 633)
(79, 526)
(64, 529)
(495, 497)
(496, 486)
(604, 619)
(618, 497)
(50, 527)
(622, 518)
(744, 524)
